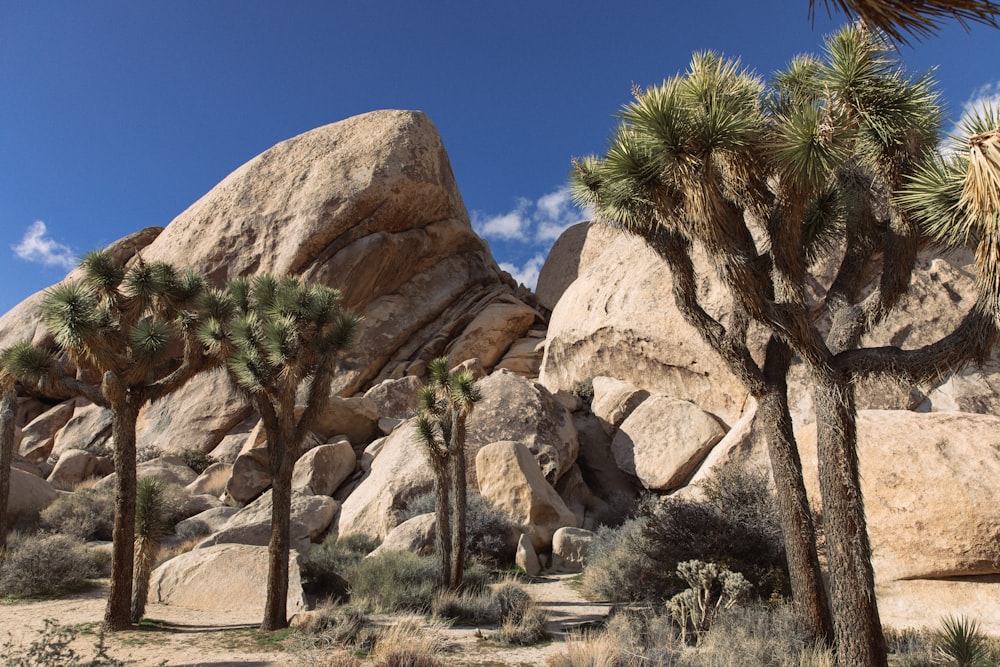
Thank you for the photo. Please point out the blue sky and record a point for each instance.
(118, 114)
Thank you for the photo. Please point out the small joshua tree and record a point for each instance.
(274, 334)
(8, 411)
(117, 331)
(150, 527)
(445, 404)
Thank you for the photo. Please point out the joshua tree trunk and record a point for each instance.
(8, 413)
(810, 599)
(857, 627)
(118, 614)
(146, 551)
(442, 519)
(275, 609)
(458, 490)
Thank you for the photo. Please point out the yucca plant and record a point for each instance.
(117, 331)
(150, 528)
(961, 640)
(837, 150)
(445, 405)
(274, 334)
(917, 18)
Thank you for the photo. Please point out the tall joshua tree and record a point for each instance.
(819, 156)
(115, 330)
(8, 412)
(445, 404)
(275, 334)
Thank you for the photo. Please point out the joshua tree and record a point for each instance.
(150, 527)
(819, 157)
(445, 404)
(8, 412)
(116, 330)
(275, 334)
(919, 18)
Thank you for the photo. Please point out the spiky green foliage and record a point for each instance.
(278, 336)
(901, 19)
(766, 179)
(115, 329)
(150, 528)
(444, 405)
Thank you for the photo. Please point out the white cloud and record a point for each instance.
(36, 246)
(527, 275)
(986, 96)
(538, 222)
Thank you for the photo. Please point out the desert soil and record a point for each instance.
(181, 637)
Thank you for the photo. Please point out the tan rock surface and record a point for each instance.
(614, 400)
(930, 493)
(310, 517)
(491, 333)
(29, 494)
(416, 535)
(212, 480)
(539, 422)
(38, 435)
(227, 577)
(73, 466)
(571, 255)
(624, 324)
(510, 479)
(663, 441)
(322, 469)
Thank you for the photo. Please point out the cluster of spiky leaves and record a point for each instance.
(150, 528)
(114, 319)
(446, 396)
(919, 18)
(716, 139)
(274, 332)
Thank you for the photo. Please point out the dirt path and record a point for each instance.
(180, 637)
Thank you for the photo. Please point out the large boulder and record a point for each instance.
(89, 428)
(28, 495)
(250, 477)
(38, 435)
(73, 466)
(931, 499)
(570, 547)
(416, 535)
(322, 469)
(510, 479)
(355, 417)
(572, 253)
(619, 319)
(664, 440)
(170, 469)
(516, 409)
(226, 577)
(196, 417)
(598, 467)
(491, 333)
(212, 480)
(398, 474)
(395, 399)
(310, 517)
(615, 400)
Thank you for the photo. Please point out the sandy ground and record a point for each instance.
(181, 637)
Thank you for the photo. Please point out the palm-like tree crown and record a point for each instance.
(918, 18)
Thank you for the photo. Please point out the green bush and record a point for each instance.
(47, 564)
(526, 630)
(394, 581)
(87, 514)
(326, 566)
(196, 459)
(618, 568)
(584, 390)
(487, 528)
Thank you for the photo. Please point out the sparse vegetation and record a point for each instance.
(52, 649)
(196, 459)
(325, 568)
(584, 390)
(86, 513)
(403, 581)
(487, 528)
(46, 564)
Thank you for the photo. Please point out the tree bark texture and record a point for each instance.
(8, 413)
(460, 500)
(278, 548)
(118, 613)
(442, 519)
(808, 590)
(857, 626)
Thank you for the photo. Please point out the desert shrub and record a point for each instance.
(961, 640)
(87, 514)
(524, 629)
(145, 453)
(711, 588)
(179, 504)
(584, 390)
(47, 564)
(487, 527)
(407, 644)
(468, 608)
(394, 581)
(326, 566)
(196, 459)
(618, 567)
(52, 649)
